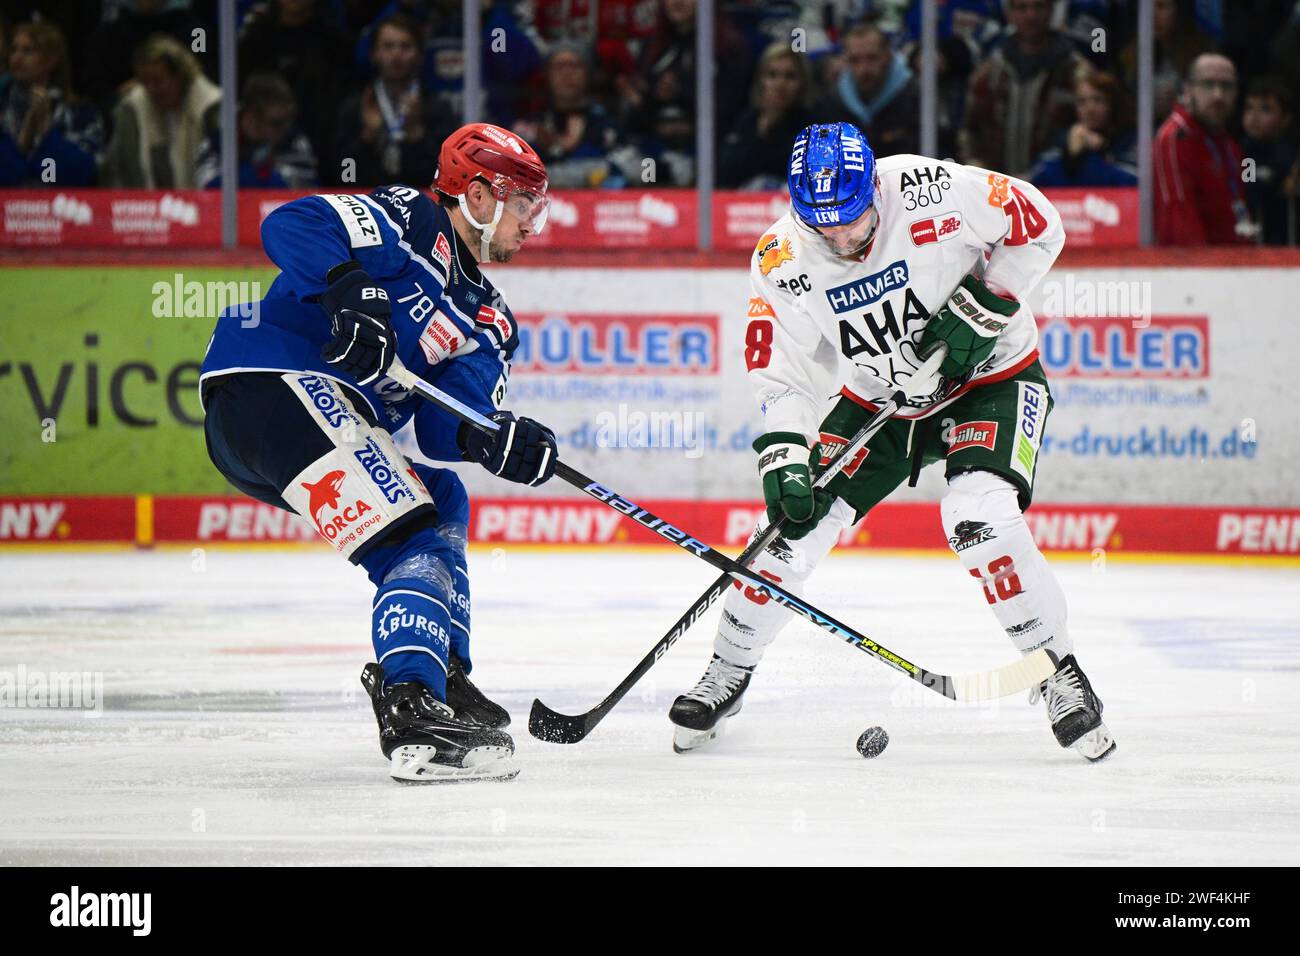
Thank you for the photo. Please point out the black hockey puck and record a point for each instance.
(873, 742)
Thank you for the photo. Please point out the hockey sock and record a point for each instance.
(988, 533)
(750, 619)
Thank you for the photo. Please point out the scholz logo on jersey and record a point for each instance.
(863, 292)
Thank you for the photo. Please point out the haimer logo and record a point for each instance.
(855, 295)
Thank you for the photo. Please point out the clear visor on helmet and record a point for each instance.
(849, 238)
(526, 205)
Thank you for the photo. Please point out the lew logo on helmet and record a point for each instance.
(831, 179)
(854, 154)
(324, 495)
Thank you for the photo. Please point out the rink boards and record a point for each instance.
(1099, 531)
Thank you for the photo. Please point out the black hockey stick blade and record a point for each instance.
(556, 728)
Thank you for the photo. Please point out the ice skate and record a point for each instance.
(1075, 711)
(702, 712)
(470, 703)
(426, 743)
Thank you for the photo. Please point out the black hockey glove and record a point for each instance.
(521, 450)
(364, 343)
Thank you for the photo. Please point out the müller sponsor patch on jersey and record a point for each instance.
(1031, 410)
(971, 435)
(935, 228)
(864, 291)
(831, 446)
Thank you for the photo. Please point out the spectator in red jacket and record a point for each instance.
(1200, 197)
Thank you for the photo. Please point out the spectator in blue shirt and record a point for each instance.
(1099, 148)
(48, 135)
(273, 152)
(573, 134)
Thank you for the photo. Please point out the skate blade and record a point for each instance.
(1096, 744)
(685, 739)
(414, 763)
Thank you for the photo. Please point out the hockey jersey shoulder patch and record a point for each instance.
(358, 220)
(403, 205)
(500, 326)
(441, 252)
(773, 251)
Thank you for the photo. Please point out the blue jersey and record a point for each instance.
(453, 329)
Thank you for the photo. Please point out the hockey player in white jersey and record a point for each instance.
(874, 267)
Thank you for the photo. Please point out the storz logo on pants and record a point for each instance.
(326, 400)
(382, 473)
(1031, 412)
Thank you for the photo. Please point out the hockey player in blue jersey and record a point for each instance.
(299, 414)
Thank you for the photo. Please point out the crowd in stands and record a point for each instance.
(351, 93)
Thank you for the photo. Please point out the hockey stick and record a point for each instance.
(985, 685)
(555, 727)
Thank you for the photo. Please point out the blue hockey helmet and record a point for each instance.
(832, 175)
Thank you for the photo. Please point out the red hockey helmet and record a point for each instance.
(512, 170)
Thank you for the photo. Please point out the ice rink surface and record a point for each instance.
(234, 730)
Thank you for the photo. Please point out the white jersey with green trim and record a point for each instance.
(820, 324)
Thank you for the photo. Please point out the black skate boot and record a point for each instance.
(1075, 711)
(424, 741)
(701, 713)
(470, 703)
